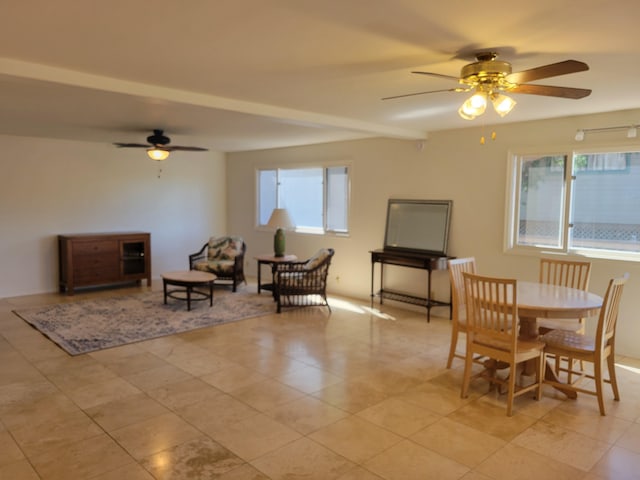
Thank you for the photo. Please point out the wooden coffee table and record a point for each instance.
(188, 279)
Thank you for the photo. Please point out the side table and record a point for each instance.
(273, 261)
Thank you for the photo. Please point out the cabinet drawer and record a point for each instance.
(96, 276)
(99, 247)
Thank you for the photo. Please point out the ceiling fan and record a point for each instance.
(490, 79)
(158, 147)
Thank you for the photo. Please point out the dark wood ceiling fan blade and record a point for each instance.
(448, 77)
(424, 93)
(552, 91)
(131, 145)
(186, 149)
(547, 71)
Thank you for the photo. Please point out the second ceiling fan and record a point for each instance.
(491, 79)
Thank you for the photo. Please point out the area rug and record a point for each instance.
(90, 325)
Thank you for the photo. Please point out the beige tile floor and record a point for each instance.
(354, 395)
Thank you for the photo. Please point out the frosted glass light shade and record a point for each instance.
(503, 104)
(474, 106)
(158, 153)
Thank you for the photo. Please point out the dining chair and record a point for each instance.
(492, 331)
(566, 273)
(594, 349)
(458, 311)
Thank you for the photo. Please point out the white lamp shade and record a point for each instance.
(280, 218)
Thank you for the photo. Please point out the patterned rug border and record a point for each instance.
(86, 326)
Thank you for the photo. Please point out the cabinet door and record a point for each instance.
(133, 256)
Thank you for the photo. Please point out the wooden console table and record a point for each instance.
(410, 260)
(90, 259)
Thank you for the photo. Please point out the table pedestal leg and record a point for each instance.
(529, 331)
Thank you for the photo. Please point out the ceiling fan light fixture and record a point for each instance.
(464, 115)
(474, 106)
(156, 153)
(502, 104)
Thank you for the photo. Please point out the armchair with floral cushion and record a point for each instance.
(303, 283)
(222, 256)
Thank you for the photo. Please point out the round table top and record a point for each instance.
(553, 301)
(270, 257)
(186, 276)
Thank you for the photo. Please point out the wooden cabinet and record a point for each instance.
(103, 258)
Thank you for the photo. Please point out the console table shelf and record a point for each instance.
(412, 299)
(410, 260)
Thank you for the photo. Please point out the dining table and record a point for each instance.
(540, 300)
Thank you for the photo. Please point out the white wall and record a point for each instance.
(453, 165)
(51, 187)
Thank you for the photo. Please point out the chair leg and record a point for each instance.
(326, 302)
(512, 390)
(611, 363)
(452, 347)
(597, 373)
(466, 378)
(540, 376)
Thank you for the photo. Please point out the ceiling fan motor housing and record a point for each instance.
(158, 138)
(476, 72)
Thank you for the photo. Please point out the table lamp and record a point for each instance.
(280, 220)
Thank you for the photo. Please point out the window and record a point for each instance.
(317, 198)
(580, 202)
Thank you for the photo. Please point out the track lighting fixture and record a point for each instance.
(632, 131)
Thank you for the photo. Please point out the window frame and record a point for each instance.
(324, 230)
(512, 203)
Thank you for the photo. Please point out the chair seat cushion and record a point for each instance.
(568, 341)
(222, 268)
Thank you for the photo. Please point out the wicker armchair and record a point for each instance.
(222, 256)
(304, 284)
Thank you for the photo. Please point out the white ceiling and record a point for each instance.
(236, 75)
